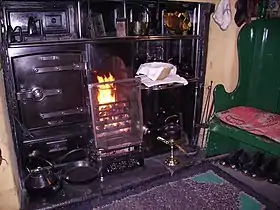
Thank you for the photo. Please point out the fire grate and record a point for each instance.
(112, 119)
(116, 111)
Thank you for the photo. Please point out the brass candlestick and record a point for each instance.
(172, 160)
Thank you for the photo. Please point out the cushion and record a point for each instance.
(253, 120)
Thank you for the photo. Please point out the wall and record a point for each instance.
(8, 171)
(221, 68)
(222, 58)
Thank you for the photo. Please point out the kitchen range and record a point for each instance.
(78, 111)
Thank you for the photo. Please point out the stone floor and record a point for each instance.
(264, 188)
(261, 188)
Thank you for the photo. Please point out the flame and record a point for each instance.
(106, 92)
(110, 112)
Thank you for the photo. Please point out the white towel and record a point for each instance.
(168, 80)
(222, 14)
(153, 70)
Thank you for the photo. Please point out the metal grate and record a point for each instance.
(118, 124)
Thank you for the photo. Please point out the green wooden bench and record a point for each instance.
(258, 86)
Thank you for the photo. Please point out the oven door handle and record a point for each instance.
(75, 66)
(37, 93)
(78, 110)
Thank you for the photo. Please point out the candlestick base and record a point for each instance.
(172, 161)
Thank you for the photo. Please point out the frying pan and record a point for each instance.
(79, 172)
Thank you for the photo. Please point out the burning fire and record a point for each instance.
(106, 92)
(111, 116)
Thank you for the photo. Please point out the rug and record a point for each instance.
(202, 191)
(202, 186)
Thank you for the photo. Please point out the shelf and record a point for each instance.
(147, 38)
(49, 42)
(103, 39)
(169, 86)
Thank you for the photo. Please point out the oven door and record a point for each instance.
(51, 88)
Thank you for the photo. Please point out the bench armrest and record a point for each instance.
(224, 100)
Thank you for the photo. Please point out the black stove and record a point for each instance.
(57, 68)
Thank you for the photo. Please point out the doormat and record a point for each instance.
(202, 191)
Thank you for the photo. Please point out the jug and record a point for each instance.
(32, 27)
(139, 21)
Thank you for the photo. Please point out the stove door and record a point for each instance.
(51, 89)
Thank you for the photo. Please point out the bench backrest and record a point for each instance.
(259, 64)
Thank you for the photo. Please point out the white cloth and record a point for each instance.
(222, 14)
(168, 80)
(153, 69)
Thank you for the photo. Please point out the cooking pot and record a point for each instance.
(42, 180)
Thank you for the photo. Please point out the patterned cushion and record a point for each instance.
(252, 120)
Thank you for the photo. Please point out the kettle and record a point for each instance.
(172, 129)
(42, 181)
(11, 34)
